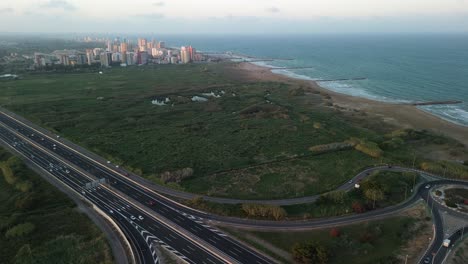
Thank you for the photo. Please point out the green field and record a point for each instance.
(39, 224)
(371, 242)
(252, 142)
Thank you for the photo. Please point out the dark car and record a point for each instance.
(427, 260)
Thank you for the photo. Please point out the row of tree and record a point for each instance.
(264, 211)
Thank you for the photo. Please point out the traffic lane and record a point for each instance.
(453, 240)
(182, 244)
(236, 251)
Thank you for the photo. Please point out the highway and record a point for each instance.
(176, 226)
(44, 150)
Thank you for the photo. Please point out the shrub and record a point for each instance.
(358, 207)
(260, 210)
(452, 169)
(20, 230)
(335, 232)
(308, 253)
(367, 147)
(176, 176)
(330, 147)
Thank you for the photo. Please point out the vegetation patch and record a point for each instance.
(39, 224)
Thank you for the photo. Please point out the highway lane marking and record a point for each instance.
(212, 241)
(233, 253)
(236, 249)
(191, 248)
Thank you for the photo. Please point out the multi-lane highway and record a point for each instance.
(164, 221)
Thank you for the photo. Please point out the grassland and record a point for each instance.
(252, 142)
(41, 225)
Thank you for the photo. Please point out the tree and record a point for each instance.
(358, 207)
(335, 232)
(374, 194)
(310, 253)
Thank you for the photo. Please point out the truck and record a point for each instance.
(446, 243)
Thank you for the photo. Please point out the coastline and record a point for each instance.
(404, 116)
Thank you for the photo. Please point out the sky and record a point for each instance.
(233, 16)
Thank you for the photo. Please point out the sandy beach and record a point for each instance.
(404, 116)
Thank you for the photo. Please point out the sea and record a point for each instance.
(398, 68)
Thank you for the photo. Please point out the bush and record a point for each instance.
(367, 147)
(176, 176)
(455, 170)
(296, 91)
(330, 147)
(335, 232)
(266, 211)
(451, 203)
(20, 230)
(310, 253)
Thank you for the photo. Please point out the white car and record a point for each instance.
(108, 162)
(132, 217)
(110, 211)
(140, 217)
(428, 186)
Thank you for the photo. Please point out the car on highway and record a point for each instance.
(108, 162)
(427, 186)
(110, 211)
(427, 260)
(132, 217)
(151, 202)
(140, 217)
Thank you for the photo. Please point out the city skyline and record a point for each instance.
(206, 16)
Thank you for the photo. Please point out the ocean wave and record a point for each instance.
(452, 113)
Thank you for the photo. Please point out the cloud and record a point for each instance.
(6, 10)
(160, 3)
(151, 16)
(273, 9)
(59, 4)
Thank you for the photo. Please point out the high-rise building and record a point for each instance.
(142, 43)
(89, 56)
(161, 45)
(123, 47)
(131, 58)
(116, 56)
(64, 59)
(109, 45)
(142, 57)
(184, 55)
(80, 59)
(106, 59)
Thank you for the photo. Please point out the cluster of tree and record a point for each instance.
(310, 253)
(176, 176)
(264, 211)
(446, 168)
(20, 230)
(331, 147)
(11, 170)
(367, 147)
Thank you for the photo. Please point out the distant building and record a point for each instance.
(64, 59)
(131, 58)
(123, 47)
(81, 59)
(106, 59)
(142, 44)
(116, 57)
(89, 56)
(184, 55)
(161, 45)
(142, 57)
